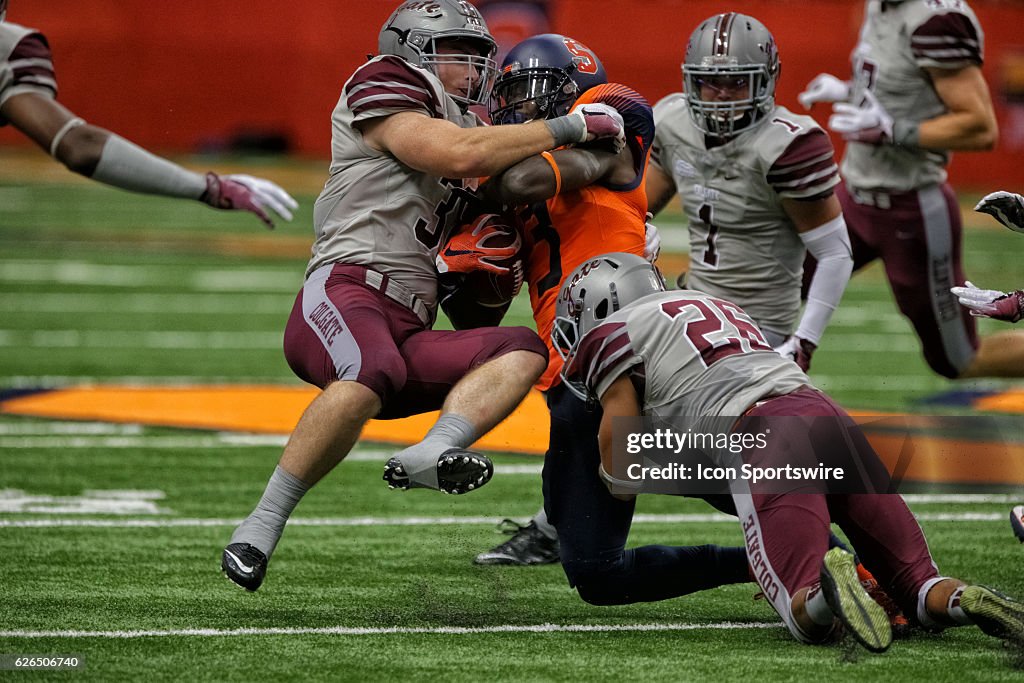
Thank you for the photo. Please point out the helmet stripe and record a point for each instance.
(722, 32)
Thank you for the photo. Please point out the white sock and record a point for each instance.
(817, 608)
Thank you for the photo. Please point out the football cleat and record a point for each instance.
(996, 614)
(244, 564)
(528, 546)
(897, 620)
(458, 471)
(862, 617)
(1017, 522)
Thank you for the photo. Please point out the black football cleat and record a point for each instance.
(996, 614)
(528, 546)
(244, 564)
(862, 617)
(458, 471)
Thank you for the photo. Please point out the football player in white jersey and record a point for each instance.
(406, 156)
(642, 351)
(917, 94)
(28, 92)
(756, 182)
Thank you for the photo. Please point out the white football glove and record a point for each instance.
(824, 88)
(600, 122)
(869, 123)
(1005, 207)
(797, 350)
(267, 193)
(247, 193)
(990, 303)
(652, 240)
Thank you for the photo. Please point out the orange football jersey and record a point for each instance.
(574, 226)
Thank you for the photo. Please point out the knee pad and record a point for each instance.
(602, 586)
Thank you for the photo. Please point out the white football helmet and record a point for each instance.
(591, 293)
(729, 53)
(414, 30)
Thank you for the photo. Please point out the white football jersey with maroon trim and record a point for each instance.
(743, 246)
(897, 43)
(374, 210)
(692, 354)
(25, 64)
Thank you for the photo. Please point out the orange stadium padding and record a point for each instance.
(904, 444)
(185, 75)
(259, 409)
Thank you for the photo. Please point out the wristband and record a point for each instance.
(554, 167)
(906, 133)
(567, 130)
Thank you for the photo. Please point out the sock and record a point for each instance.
(923, 617)
(817, 609)
(420, 460)
(543, 525)
(264, 526)
(955, 611)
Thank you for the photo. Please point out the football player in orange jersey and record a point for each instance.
(579, 202)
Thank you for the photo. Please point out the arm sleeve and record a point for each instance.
(830, 244)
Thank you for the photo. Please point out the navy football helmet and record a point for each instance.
(541, 77)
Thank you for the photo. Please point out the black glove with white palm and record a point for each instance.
(1005, 207)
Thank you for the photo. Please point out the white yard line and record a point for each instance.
(147, 381)
(93, 274)
(712, 518)
(161, 304)
(394, 630)
(132, 339)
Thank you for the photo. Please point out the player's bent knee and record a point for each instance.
(604, 586)
(385, 378)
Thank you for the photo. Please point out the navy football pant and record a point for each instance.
(592, 525)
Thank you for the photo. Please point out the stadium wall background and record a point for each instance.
(191, 74)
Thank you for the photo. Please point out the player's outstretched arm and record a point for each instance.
(108, 158)
(443, 149)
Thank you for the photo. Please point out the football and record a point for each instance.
(489, 252)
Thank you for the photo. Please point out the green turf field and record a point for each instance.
(98, 286)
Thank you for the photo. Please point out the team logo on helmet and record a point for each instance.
(542, 76)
